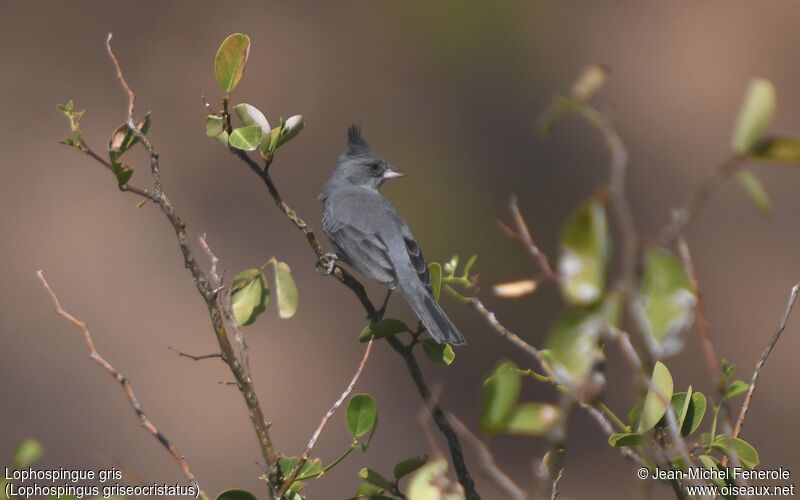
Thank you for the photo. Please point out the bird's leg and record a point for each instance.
(327, 263)
(382, 310)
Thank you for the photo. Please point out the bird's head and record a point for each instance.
(362, 166)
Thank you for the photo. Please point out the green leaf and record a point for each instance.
(468, 266)
(752, 186)
(368, 491)
(251, 115)
(500, 394)
(250, 296)
(713, 464)
(658, 396)
(373, 477)
(230, 61)
(755, 115)
(435, 270)
(777, 149)
(383, 328)
(286, 293)
(737, 447)
(441, 354)
(311, 468)
(681, 401)
(409, 465)
(573, 344)
(429, 482)
(362, 414)
(450, 266)
(736, 388)
(665, 301)
(245, 138)
(28, 451)
(533, 419)
(292, 127)
(122, 173)
(583, 255)
(215, 125)
(625, 439)
(236, 494)
(695, 414)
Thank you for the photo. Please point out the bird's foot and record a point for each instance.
(327, 263)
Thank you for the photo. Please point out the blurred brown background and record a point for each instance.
(449, 91)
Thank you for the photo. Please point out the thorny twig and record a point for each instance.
(124, 382)
(313, 441)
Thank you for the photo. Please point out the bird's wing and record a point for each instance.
(367, 253)
(415, 255)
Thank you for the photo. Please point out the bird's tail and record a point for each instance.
(433, 317)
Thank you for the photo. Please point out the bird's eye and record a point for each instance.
(375, 167)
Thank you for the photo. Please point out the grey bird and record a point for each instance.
(369, 235)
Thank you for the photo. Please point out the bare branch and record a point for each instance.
(523, 235)
(201, 281)
(193, 357)
(763, 360)
(313, 441)
(554, 493)
(507, 485)
(712, 359)
(124, 382)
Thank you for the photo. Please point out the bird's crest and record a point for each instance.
(355, 141)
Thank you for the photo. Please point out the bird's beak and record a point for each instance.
(391, 174)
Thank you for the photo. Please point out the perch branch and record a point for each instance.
(313, 441)
(763, 360)
(124, 382)
(374, 314)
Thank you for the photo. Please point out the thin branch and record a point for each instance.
(503, 482)
(554, 493)
(682, 217)
(193, 357)
(712, 359)
(500, 329)
(439, 418)
(497, 327)
(373, 314)
(313, 441)
(523, 235)
(124, 382)
(763, 360)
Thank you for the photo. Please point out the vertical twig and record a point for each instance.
(313, 441)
